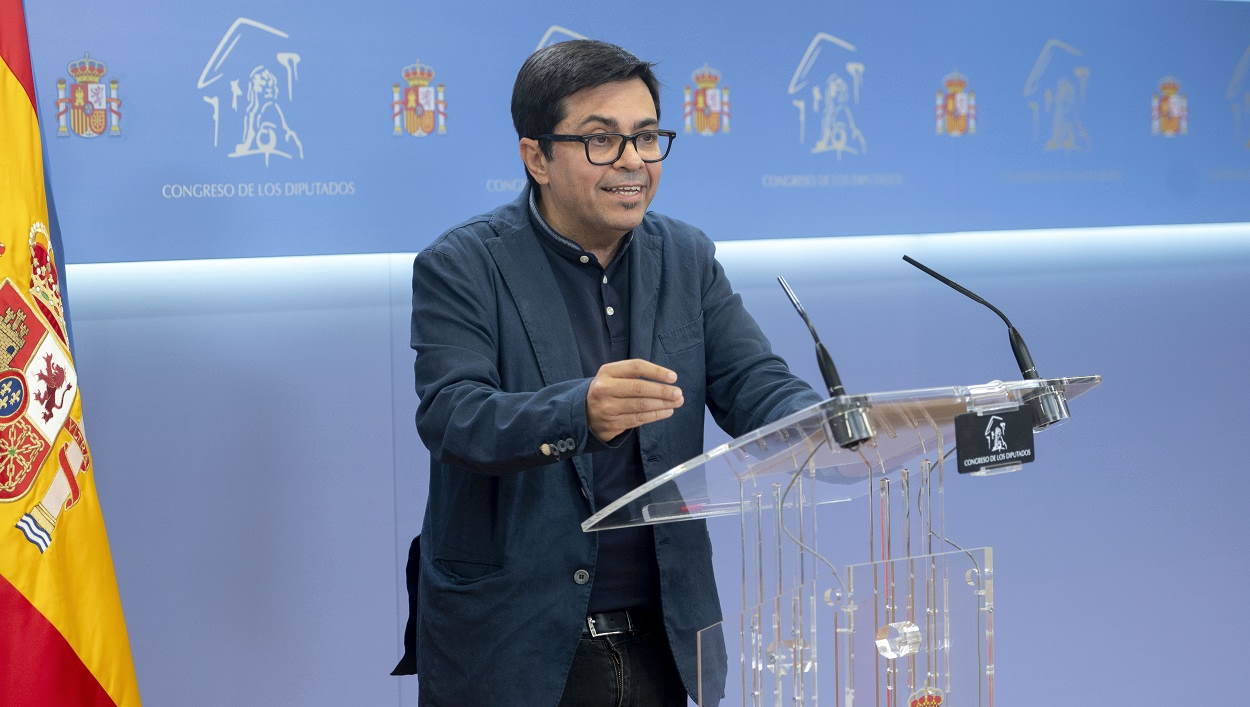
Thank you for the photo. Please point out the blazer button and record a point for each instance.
(545, 449)
(581, 577)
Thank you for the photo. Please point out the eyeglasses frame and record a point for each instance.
(585, 140)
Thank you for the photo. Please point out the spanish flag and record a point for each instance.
(62, 635)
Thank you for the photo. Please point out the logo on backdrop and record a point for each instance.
(556, 34)
(1055, 92)
(956, 106)
(417, 108)
(1238, 96)
(825, 90)
(1169, 109)
(706, 109)
(89, 106)
(249, 82)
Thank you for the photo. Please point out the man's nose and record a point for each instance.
(630, 159)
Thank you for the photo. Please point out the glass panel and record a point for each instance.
(906, 423)
(914, 632)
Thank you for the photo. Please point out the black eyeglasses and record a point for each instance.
(607, 148)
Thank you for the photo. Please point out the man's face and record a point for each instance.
(597, 204)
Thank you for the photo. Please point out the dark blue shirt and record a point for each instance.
(597, 299)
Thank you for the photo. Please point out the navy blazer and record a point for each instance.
(499, 608)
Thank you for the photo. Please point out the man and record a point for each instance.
(567, 344)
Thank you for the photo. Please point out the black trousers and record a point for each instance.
(624, 670)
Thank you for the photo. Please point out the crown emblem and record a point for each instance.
(706, 77)
(87, 70)
(955, 82)
(418, 109)
(418, 74)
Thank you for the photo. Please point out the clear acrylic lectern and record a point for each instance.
(909, 620)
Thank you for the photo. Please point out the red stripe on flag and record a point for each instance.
(38, 667)
(14, 49)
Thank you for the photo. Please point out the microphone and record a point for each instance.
(827, 370)
(1049, 404)
(850, 424)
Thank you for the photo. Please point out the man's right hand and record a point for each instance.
(628, 394)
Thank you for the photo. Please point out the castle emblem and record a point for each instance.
(1169, 109)
(14, 331)
(90, 106)
(956, 107)
(20, 328)
(417, 108)
(706, 109)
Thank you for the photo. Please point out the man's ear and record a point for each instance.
(534, 159)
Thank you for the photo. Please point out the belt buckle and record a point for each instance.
(595, 633)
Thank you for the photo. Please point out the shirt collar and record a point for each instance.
(567, 247)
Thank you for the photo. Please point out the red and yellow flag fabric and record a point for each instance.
(62, 635)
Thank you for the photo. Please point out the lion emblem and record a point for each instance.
(53, 377)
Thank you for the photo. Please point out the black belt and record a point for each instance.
(610, 623)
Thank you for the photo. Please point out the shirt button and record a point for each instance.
(585, 258)
(611, 311)
(605, 279)
(581, 577)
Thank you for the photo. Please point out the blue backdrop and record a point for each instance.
(251, 418)
(835, 120)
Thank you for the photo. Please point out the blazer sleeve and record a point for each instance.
(464, 417)
(748, 385)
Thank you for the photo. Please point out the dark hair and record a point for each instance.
(555, 72)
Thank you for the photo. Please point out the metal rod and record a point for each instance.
(876, 588)
(799, 633)
(775, 653)
(744, 669)
(905, 478)
(757, 622)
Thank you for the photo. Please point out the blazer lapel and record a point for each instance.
(521, 261)
(647, 255)
(524, 267)
(644, 289)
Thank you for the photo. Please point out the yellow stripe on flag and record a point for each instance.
(53, 547)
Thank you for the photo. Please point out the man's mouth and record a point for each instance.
(631, 190)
